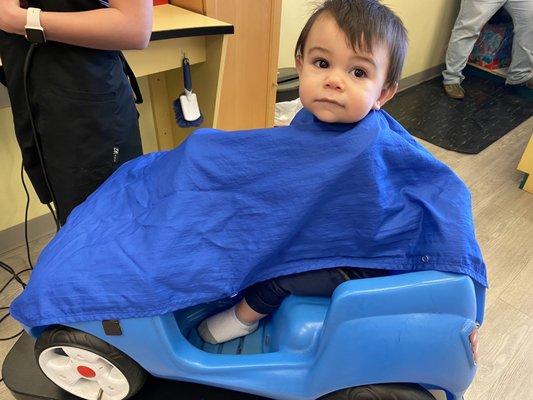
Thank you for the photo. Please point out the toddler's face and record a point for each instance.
(338, 84)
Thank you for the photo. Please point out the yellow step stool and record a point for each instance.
(526, 165)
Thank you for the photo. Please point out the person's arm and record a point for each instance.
(126, 24)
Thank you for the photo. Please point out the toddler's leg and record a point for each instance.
(265, 297)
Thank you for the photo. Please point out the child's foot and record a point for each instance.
(224, 327)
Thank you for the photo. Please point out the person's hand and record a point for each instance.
(12, 16)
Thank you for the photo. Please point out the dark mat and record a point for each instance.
(489, 111)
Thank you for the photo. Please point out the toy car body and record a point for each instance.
(412, 328)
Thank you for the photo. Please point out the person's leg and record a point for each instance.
(521, 68)
(265, 297)
(472, 16)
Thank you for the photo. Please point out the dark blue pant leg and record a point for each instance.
(265, 297)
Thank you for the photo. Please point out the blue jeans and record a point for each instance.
(265, 297)
(473, 15)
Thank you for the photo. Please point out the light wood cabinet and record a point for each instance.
(248, 93)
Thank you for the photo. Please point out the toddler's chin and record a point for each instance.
(329, 117)
(326, 116)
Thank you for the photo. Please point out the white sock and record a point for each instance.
(224, 326)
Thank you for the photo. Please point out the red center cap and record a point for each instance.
(86, 372)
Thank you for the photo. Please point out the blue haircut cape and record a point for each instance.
(224, 210)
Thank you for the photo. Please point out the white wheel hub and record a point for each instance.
(83, 373)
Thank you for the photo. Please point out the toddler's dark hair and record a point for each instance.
(364, 22)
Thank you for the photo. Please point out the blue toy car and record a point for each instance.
(406, 336)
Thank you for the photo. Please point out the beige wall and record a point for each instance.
(429, 23)
(294, 14)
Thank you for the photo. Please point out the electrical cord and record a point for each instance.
(27, 65)
(10, 270)
(26, 216)
(14, 276)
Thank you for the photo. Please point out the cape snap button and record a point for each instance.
(425, 259)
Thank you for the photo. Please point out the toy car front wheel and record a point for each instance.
(86, 366)
(389, 391)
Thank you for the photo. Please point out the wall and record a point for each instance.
(294, 14)
(428, 36)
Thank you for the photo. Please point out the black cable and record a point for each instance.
(55, 215)
(11, 280)
(15, 276)
(27, 65)
(26, 215)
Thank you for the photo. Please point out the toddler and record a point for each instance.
(349, 57)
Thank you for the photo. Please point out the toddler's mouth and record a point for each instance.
(330, 101)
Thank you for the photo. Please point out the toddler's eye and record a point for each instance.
(321, 63)
(359, 73)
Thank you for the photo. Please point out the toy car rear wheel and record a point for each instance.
(389, 391)
(87, 366)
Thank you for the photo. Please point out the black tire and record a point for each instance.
(388, 391)
(64, 336)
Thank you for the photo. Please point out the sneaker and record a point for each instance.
(454, 91)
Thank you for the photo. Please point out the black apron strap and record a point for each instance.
(133, 80)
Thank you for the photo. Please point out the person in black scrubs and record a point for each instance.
(71, 90)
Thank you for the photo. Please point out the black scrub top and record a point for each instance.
(83, 107)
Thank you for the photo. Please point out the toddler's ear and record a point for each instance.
(298, 64)
(387, 93)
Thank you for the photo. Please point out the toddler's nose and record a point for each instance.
(334, 81)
